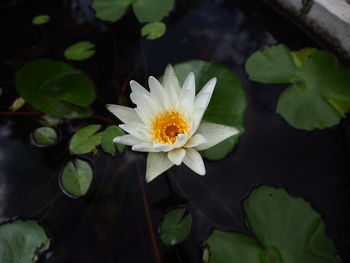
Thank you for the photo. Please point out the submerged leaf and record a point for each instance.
(86, 139)
(152, 10)
(287, 228)
(153, 30)
(227, 105)
(22, 241)
(40, 19)
(80, 51)
(319, 95)
(176, 226)
(110, 10)
(76, 178)
(45, 136)
(56, 88)
(107, 140)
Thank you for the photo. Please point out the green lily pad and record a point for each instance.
(110, 10)
(22, 241)
(319, 95)
(56, 88)
(45, 136)
(227, 105)
(176, 226)
(153, 30)
(80, 51)
(107, 143)
(86, 139)
(286, 227)
(40, 19)
(76, 178)
(152, 10)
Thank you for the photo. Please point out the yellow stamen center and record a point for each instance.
(166, 126)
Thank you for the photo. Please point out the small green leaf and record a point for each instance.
(45, 136)
(17, 104)
(319, 94)
(80, 51)
(86, 139)
(287, 229)
(48, 120)
(153, 30)
(110, 10)
(76, 178)
(40, 19)
(176, 226)
(152, 10)
(22, 241)
(107, 140)
(56, 88)
(227, 105)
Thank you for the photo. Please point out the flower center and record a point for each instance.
(166, 126)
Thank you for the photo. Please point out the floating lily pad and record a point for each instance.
(22, 241)
(286, 227)
(107, 140)
(227, 105)
(45, 136)
(153, 30)
(76, 178)
(176, 226)
(80, 51)
(56, 88)
(86, 139)
(40, 19)
(110, 10)
(152, 10)
(319, 95)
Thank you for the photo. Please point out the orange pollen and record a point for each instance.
(166, 126)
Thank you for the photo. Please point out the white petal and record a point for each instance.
(137, 88)
(214, 134)
(144, 147)
(202, 101)
(159, 147)
(176, 156)
(123, 113)
(157, 163)
(188, 93)
(137, 129)
(157, 91)
(171, 87)
(194, 161)
(195, 141)
(144, 109)
(181, 140)
(127, 140)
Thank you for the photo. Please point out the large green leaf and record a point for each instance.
(56, 88)
(107, 143)
(22, 242)
(110, 10)
(176, 226)
(76, 178)
(86, 139)
(45, 136)
(80, 51)
(227, 105)
(319, 95)
(152, 10)
(287, 228)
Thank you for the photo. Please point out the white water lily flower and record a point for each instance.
(167, 123)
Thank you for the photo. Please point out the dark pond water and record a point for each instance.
(117, 219)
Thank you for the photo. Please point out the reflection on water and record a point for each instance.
(118, 218)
